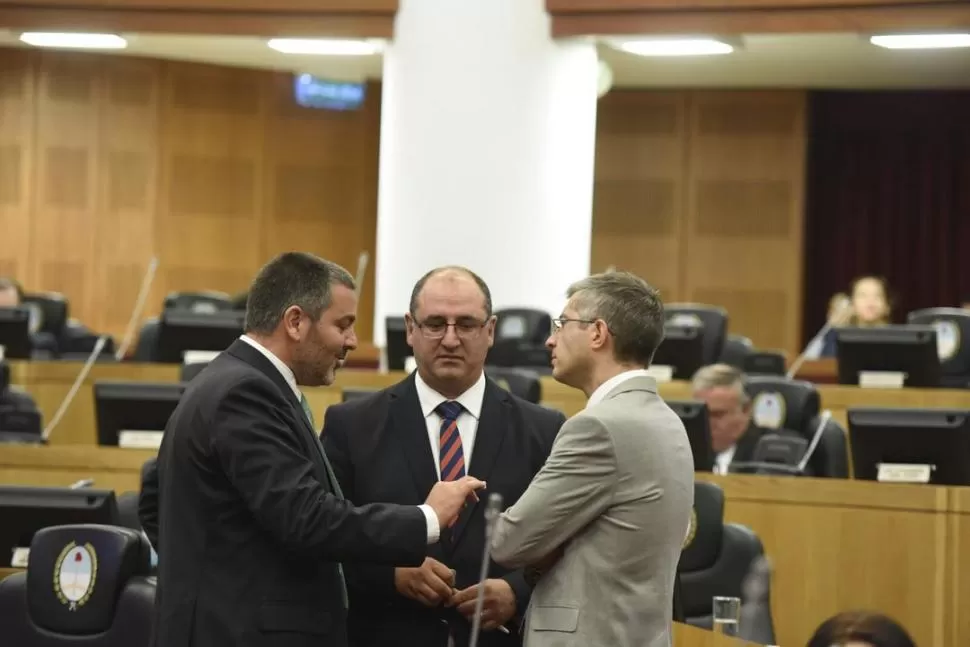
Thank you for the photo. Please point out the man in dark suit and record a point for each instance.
(438, 424)
(252, 525)
(734, 435)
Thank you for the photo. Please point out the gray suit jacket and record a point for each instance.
(616, 495)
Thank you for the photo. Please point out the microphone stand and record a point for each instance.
(492, 511)
(829, 324)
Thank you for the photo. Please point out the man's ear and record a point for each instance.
(292, 322)
(600, 334)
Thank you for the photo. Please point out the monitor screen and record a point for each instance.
(180, 331)
(939, 438)
(697, 422)
(25, 510)
(682, 350)
(908, 352)
(15, 333)
(132, 410)
(396, 343)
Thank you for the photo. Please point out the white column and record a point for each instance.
(487, 145)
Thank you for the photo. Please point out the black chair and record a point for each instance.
(53, 311)
(714, 320)
(778, 403)
(20, 418)
(353, 394)
(189, 371)
(764, 362)
(85, 585)
(146, 348)
(952, 327)
(717, 560)
(206, 301)
(519, 381)
(520, 339)
(736, 351)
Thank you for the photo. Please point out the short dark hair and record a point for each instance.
(631, 308)
(861, 626)
(486, 293)
(7, 283)
(292, 279)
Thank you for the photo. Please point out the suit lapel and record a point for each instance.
(493, 425)
(411, 429)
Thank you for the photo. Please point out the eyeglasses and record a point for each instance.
(557, 324)
(438, 328)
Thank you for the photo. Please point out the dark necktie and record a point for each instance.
(336, 489)
(451, 458)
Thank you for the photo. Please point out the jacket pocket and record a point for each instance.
(292, 617)
(554, 618)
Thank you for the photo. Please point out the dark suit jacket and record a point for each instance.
(250, 532)
(148, 501)
(380, 451)
(744, 450)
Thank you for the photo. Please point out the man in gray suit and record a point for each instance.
(604, 520)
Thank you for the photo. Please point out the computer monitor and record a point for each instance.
(15, 333)
(396, 343)
(900, 436)
(682, 350)
(695, 418)
(140, 407)
(180, 331)
(25, 510)
(907, 350)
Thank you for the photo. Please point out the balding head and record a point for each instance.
(452, 273)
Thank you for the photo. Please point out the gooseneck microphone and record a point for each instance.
(492, 511)
(840, 309)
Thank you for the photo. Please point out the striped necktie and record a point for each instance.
(451, 458)
(336, 488)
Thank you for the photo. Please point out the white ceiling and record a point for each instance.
(833, 60)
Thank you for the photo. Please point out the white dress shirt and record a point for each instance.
(722, 460)
(434, 528)
(471, 400)
(610, 384)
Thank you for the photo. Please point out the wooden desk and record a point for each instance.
(687, 636)
(838, 545)
(111, 468)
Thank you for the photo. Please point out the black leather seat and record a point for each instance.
(520, 339)
(716, 561)
(203, 302)
(714, 320)
(20, 419)
(353, 394)
(778, 403)
(519, 381)
(736, 351)
(952, 327)
(85, 585)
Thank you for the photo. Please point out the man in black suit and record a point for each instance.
(252, 525)
(395, 445)
(734, 435)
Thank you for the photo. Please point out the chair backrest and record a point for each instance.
(53, 308)
(764, 362)
(717, 558)
(518, 381)
(189, 371)
(202, 302)
(736, 350)
(952, 328)
(84, 585)
(20, 417)
(713, 318)
(778, 403)
(354, 394)
(523, 324)
(146, 349)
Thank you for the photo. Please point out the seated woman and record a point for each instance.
(860, 629)
(869, 306)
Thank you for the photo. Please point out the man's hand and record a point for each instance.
(430, 584)
(499, 606)
(447, 498)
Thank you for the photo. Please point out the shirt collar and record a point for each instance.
(284, 370)
(603, 389)
(471, 399)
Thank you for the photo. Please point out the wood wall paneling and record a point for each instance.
(107, 161)
(596, 6)
(639, 191)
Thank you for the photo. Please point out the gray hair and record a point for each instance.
(631, 308)
(720, 375)
(292, 279)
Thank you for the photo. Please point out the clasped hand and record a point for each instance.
(433, 584)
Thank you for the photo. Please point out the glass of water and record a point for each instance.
(727, 615)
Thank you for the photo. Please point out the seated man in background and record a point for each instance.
(733, 433)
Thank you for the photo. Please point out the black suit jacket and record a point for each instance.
(744, 449)
(250, 532)
(380, 451)
(148, 501)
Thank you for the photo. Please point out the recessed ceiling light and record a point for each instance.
(921, 41)
(675, 47)
(325, 47)
(74, 40)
